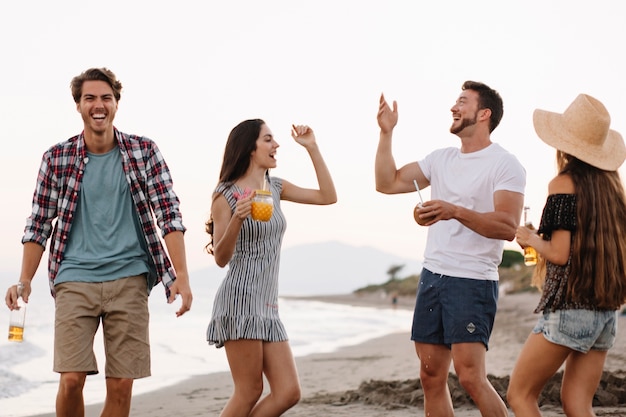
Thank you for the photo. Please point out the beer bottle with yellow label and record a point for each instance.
(530, 254)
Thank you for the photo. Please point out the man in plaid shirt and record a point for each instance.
(105, 189)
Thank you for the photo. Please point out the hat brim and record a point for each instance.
(552, 129)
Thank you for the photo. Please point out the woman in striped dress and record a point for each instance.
(245, 312)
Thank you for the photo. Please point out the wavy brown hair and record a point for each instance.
(598, 266)
(95, 74)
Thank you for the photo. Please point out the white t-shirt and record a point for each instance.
(468, 180)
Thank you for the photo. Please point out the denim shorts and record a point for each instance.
(451, 310)
(580, 330)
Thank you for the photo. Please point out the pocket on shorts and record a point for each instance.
(578, 324)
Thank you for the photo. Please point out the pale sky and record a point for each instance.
(192, 70)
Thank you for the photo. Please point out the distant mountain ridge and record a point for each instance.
(324, 268)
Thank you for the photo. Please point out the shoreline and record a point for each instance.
(330, 381)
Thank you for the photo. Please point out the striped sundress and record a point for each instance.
(246, 303)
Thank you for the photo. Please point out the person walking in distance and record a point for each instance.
(477, 195)
(97, 197)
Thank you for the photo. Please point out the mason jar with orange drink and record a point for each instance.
(262, 205)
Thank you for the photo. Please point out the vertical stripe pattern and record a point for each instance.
(246, 303)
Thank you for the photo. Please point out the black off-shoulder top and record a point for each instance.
(559, 213)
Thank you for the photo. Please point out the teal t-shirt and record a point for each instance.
(105, 242)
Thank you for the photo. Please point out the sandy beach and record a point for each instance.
(380, 377)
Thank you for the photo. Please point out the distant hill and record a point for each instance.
(324, 268)
(337, 268)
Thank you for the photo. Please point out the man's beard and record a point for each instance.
(465, 122)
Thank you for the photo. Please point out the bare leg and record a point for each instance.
(119, 394)
(280, 369)
(245, 358)
(70, 402)
(538, 361)
(580, 382)
(469, 363)
(434, 367)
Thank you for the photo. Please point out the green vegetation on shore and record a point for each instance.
(514, 275)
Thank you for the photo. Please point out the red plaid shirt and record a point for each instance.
(58, 187)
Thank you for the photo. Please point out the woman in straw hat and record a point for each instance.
(581, 243)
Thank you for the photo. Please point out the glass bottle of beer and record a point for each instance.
(16, 319)
(530, 254)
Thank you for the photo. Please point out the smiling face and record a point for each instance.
(464, 111)
(97, 106)
(265, 153)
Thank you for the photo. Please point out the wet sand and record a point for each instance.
(380, 377)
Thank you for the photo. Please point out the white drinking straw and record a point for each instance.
(418, 191)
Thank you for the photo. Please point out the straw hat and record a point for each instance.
(583, 131)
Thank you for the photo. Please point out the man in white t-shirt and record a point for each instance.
(477, 194)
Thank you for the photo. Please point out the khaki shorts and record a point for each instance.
(122, 305)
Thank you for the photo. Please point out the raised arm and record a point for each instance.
(390, 179)
(326, 193)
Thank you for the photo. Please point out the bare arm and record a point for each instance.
(31, 257)
(498, 224)
(227, 225)
(390, 179)
(176, 249)
(557, 249)
(326, 193)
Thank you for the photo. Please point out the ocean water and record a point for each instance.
(179, 349)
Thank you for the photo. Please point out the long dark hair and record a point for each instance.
(598, 269)
(240, 144)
